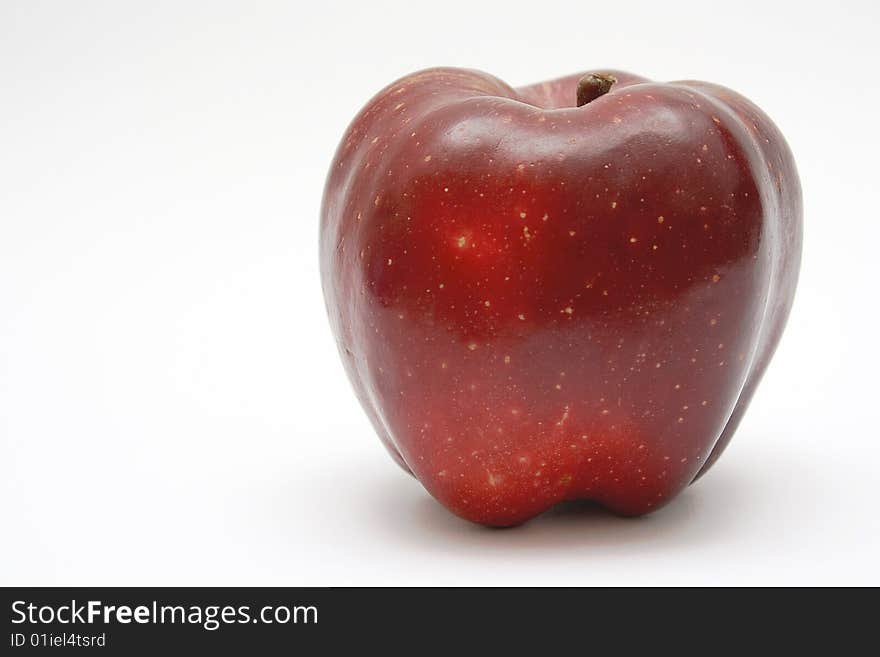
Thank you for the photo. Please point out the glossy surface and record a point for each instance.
(538, 302)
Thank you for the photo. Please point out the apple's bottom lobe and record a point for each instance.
(614, 469)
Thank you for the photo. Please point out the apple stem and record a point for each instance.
(593, 85)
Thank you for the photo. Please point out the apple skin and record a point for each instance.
(538, 302)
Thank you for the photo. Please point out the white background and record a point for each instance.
(172, 408)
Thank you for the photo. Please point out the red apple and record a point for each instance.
(563, 291)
